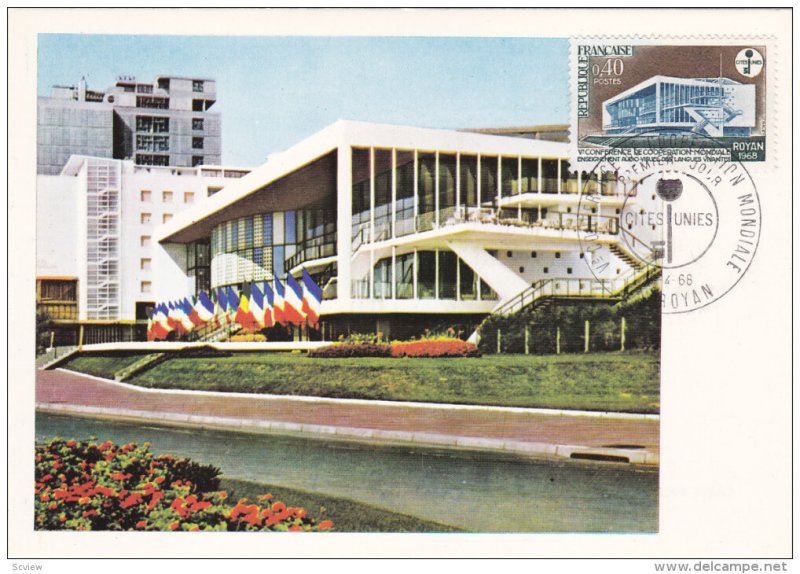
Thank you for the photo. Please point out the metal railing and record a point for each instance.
(313, 248)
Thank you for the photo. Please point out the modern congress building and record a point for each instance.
(406, 229)
(713, 107)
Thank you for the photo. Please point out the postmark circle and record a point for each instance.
(695, 222)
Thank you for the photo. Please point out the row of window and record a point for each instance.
(146, 196)
(162, 160)
(160, 124)
(147, 218)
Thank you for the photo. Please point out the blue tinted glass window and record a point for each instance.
(278, 260)
(267, 229)
(235, 234)
(291, 227)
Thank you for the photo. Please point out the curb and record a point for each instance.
(514, 447)
(382, 403)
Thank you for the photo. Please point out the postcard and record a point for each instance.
(489, 283)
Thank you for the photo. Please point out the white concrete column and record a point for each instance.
(392, 292)
(519, 187)
(414, 273)
(458, 182)
(539, 177)
(344, 219)
(416, 188)
(558, 175)
(478, 184)
(394, 190)
(499, 180)
(436, 188)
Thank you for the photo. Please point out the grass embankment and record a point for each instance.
(622, 382)
(347, 515)
(102, 365)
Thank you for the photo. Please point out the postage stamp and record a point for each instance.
(707, 100)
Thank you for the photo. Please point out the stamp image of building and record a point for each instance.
(714, 107)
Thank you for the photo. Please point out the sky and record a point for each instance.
(273, 91)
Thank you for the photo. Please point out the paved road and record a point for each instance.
(67, 388)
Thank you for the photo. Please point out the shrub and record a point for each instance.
(248, 338)
(340, 350)
(441, 347)
(89, 486)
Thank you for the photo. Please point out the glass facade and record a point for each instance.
(439, 274)
(262, 246)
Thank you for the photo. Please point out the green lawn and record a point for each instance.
(347, 515)
(624, 382)
(102, 365)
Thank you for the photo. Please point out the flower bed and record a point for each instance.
(435, 348)
(89, 486)
(248, 338)
(441, 347)
(343, 350)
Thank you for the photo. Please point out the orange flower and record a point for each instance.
(71, 443)
(325, 525)
(160, 479)
(295, 528)
(158, 495)
(278, 507)
(174, 526)
(141, 524)
(265, 497)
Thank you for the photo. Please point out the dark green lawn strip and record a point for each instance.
(102, 365)
(623, 382)
(347, 515)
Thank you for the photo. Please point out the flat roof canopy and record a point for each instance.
(310, 186)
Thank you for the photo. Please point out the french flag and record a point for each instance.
(278, 308)
(257, 306)
(269, 301)
(184, 310)
(161, 322)
(174, 318)
(312, 299)
(204, 307)
(222, 309)
(193, 314)
(293, 308)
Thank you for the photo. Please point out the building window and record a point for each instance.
(522, 270)
(163, 84)
(197, 160)
(197, 124)
(197, 85)
(166, 217)
(148, 159)
(212, 190)
(197, 143)
(509, 254)
(144, 88)
(152, 102)
(546, 270)
(533, 255)
(569, 270)
(147, 218)
(166, 196)
(144, 241)
(146, 195)
(152, 143)
(188, 197)
(144, 264)
(146, 286)
(152, 124)
(558, 255)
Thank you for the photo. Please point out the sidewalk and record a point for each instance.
(519, 431)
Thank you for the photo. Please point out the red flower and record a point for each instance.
(141, 524)
(160, 479)
(278, 507)
(325, 525)
(71, 443)
(295, 528)
(158, 495)
(174, 526)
